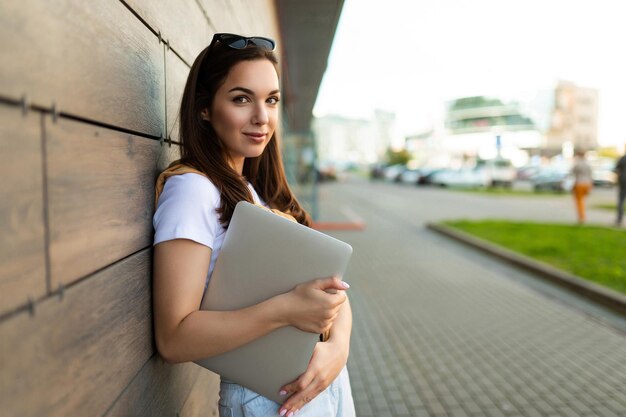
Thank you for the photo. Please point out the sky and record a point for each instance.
(410, 57)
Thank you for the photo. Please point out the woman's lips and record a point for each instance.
(256, 137)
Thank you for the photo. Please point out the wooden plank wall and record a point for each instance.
(88, 90)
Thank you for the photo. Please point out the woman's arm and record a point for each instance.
(185, 333)
(328, 360)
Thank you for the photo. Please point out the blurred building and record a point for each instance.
(343, 141)
(385, 123)
(484, 127)
(482, 114)
(574, 118)
(564, 117)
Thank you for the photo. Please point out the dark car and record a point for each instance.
(377, 171)
(427, 175)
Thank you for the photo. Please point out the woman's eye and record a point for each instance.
(273, 100)
(241, 99)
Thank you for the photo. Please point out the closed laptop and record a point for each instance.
(264, 255)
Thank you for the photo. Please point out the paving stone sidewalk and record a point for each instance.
(442, 331)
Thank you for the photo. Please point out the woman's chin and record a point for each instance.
(255, 153)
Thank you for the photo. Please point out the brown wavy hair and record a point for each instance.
(202, 149)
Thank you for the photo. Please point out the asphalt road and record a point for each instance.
(443, 330)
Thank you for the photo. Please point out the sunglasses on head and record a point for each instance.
(241, 42)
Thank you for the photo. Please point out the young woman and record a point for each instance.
(230, 153)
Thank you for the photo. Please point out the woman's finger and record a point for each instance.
(334, 282)
(300, 399)
(299, 384)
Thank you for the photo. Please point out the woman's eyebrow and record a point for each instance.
(248, 91)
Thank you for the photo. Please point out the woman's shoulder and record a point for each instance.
(191, 184)
(189, 191)
(187, 208)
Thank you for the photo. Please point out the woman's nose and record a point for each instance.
(261, 115)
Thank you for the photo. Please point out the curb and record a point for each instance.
(332, 226)
(607, 297)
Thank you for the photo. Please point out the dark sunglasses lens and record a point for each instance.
(263, 43)
(241, 42)
(235, 42)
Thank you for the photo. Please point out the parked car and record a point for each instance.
(602, 172)
(526, 172)
(391, 172)
(326, 172)
(409, 176)
(499, 171)
(427, 174)
(553, 179)
(464, 177)
(377, 171)
(604, 177)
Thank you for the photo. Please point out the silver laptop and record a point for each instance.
(263, 255)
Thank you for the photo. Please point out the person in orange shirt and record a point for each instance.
(583, 183)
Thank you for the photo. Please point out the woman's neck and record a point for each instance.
(237, 164)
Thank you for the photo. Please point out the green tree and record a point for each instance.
(398, 157)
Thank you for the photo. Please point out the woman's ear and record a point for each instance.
(205, 115)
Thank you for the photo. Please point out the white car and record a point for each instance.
(499, 171)
(391, 172)
(464, 177)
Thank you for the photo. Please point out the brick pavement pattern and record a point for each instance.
(441, 332)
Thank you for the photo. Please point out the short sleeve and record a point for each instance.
(187, 210)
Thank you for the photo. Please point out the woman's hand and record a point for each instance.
(314, 305)
(327, 361)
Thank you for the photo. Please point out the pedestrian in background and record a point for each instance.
(582, 183)
(620, 170)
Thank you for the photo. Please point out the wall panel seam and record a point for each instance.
(85, 120)
(155, 32)
(10, 101)
(46, 211)
(32, 304)
(206, 16)
(20, 309)
(141, 19)
(45, 110)
(167, 128)
(130, 383)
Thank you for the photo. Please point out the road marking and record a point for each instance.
(355, 222)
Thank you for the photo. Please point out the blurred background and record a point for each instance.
(445, 140)
(455, 84)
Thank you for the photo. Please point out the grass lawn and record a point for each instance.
(606, 206)
(592, 252)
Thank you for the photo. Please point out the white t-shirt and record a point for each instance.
(187, 209)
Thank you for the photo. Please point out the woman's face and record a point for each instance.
(244, 112)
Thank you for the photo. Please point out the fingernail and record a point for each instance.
(282, 412)
(290, 414)
(345, 284)
(282, 392)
